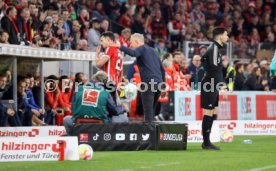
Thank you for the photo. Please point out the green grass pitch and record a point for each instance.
(235, 156)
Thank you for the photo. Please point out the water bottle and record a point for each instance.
(247, 141)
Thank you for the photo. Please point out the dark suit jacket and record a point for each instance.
(8, 27)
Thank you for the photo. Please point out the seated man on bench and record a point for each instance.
(94, 101)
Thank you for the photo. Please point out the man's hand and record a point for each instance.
(42, 111)
(10, 112)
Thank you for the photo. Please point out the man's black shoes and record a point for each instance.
(209, 147)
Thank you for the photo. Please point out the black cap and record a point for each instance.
(96, 20)
(202, 46)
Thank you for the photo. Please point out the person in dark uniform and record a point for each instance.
(151, 71)
(211, 84)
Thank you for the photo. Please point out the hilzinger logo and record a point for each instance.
(33, 133)
(232, 125)
(171, 137)
(22, 146)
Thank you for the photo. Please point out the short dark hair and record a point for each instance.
(64, 10)
(63, 77)
(52, 77)
(110, 35)
(238, 66)
(3, 75)
(29, 76)
(78, 77)
(9, 9)
(20, 78)
(218, 31)
(166, 56)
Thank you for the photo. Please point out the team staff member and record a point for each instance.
(94, 101)
(151, 70)
(212, 62)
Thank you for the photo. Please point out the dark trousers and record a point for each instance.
(3, 118)
(139, 104)
(25, 117)
(149, 99)
(14, 120)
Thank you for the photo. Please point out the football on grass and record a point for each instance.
(226, 136)
(85, 151)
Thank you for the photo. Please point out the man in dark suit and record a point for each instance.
(151, 71)
(8, 24)
(24, 26)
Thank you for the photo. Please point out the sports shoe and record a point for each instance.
(209, 147)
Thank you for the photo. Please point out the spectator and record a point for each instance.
(82, 45)
(196, 71)
(167, 10)
(24, 25)
(202, 50)
(65, 94)
(8, 117)
(3, 84)
(67, 23)
(104, 25)
(126, 19)
(83, 20)
(3, 7)
(249, 13)
(124, 39)
(170, 86)
(264, 64)
(115, 12)
(249, 26)
(52, 93)
(158, 27)
(176, 30)
(39, 114)
(255, 82)
(98, 12)
(94, 36)
(8, 24)
(270, 42)
(240, 78)
(4, 37)
(228, 73)
(197, 15)
(177, 59)
(25, 113)
(161, 48)
(8, 73)
(254, 38)
(76, 34)
(80, 79)
(138, 25)
(104, 108)
(168, 56)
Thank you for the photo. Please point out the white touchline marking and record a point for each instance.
(159, 165)
(263, 168)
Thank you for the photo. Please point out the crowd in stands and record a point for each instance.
(77, 24)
